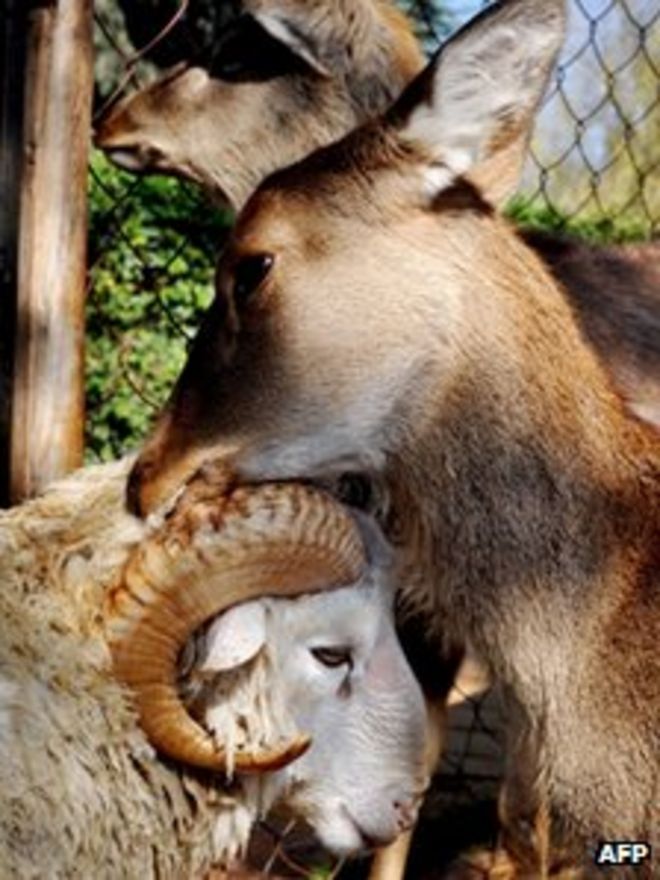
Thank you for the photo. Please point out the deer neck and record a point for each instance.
(531, 505)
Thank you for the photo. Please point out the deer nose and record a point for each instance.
(161, 468)
(153, 479)
(134, 502)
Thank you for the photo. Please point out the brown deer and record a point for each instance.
(290, 76)
(376, 317)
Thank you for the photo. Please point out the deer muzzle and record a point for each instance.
(167, 460)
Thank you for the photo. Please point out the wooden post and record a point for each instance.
(48, 382)
(12, 74)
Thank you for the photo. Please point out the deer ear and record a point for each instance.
(292, 35)
(471, 109)
(235, 637)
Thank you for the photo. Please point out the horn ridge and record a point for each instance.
(213, 552)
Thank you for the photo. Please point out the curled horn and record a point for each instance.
(215, 551)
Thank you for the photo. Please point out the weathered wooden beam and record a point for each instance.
(48, 387)
(13, 17)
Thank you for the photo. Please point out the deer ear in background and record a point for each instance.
(294, 37)
(471, 110)
(261, 46)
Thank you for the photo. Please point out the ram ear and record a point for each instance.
(235, 637)
(471, 110)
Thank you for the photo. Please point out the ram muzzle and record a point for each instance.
(213, 551)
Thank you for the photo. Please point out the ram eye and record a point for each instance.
(333, 657)
(248, 275)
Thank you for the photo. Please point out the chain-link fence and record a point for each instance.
(596, 150)
(594, 165)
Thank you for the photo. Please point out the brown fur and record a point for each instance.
(423, 344)
(615, 294)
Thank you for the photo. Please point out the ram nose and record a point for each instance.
(406, 811)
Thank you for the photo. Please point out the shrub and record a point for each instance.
(152, 247)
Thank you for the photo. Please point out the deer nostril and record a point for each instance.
(134, 501)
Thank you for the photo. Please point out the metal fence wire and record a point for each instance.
(593, 165)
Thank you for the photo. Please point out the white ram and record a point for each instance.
(83, 793)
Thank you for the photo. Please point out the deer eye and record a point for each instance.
(248, 275)
(333, 656)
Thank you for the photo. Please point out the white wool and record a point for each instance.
(244, 708)
(253, 798)
(82, 790)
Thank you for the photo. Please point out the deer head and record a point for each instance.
(287, 79)
(287, 76)
(357, 284)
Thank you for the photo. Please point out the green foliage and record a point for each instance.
(152, 249)
(600, 231)
(321, 873)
